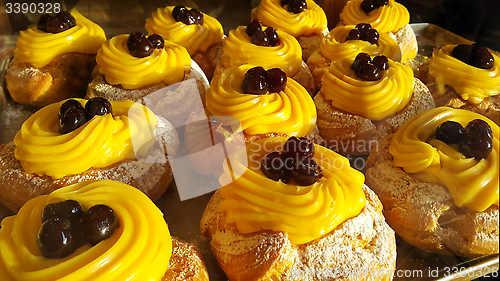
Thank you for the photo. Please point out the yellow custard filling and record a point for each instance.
(254, 202)
(471, 83)
(334, 47)
(39, 47)
(374, 100)
(119, 67)
(139, 249)
(100, 142)
(308, 22)
(193, 37)
(471, 183)
(287, 55)
(388, 18)
(291, 111)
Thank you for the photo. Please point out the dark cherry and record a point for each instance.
(69, 209)
(297, 148)
(71, 103)
(259, 38)
(479, 127)
(372, 36)
(42, 22)
(259, 70)
(273, 166)
(156, 41)
(363, 27)
(450, 132)
(284, 2)
(97, 106)
(354, 34)
(253, 27)
(98, 223)
(142, 48)
(55, 26)
(178, 12)
(478, 141)
(272, 35)
(481, 57)
(254, 84)
(381, 62)
(276, 80)
(369, 5)
(361, 59)
(57, 238)
(71, 120)
(369, 72)
(306, 171)
(67, 19)
(297, 6)
(188, 18)
(198, 16)
(133, 38)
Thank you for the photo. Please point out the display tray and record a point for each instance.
(183, 217)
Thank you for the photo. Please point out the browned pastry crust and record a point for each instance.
(208, 60)
(406, 39)
(151, 175)
(424, 215)
(364, 242)
(186, 263)
(489, 107)
(66, 76)
(347, 133)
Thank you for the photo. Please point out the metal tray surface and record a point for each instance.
(183, 217)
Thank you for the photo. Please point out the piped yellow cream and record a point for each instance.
(254, 202)
(126, 134)
(287, 55)
(139, 249)
(308, 22)
(119, 67)
(291, 111)
(39, 48)
(472, 183)
(374, 100)
(471, 83)
(193, 37)
(335, 47)
(385, 19)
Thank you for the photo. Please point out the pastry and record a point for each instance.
(466, 85)
(436, 196)
(286, 53)
(303, 19)
(262, 229)
(161, 74)
(343, 42)
(52, 66)
(137, 246)
(128, 145)
(201, 34)
(392, 18)
(354, 113)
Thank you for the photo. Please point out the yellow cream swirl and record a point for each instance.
(139, 249)
(291, 111)
(193, 37)
(471, 83)
(334, 47)
(374, 100)
(287, 55)
(471, 183)
(39, 47)
(100, 142)
(119, 67)
(388, 18)
(310, 21)
(254, 202)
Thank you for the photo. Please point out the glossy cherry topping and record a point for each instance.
(69, 209)
(295, 6)
(365, 32)
(71, 119)
(97, 106)
(272, 35)
(257, 81)
(306, 171)
(72, 114)
(381, 61)
(476, 55)
(253, 27)
(276, 80)
(156, 41)
(450, 132)
(260, 37)
(297, 148)
(369, 5)
(133, 38)
(478, 140)
(57, 238)
(182, 14)
(54, 24)
(273, 166)
(254, 84)
(368, 69)
(98, 223)
(141, 46)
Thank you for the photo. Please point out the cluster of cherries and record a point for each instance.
(295, 6)
(72, 114)
(293, 162)
(258, 81)
(369, 5)
(365, 32)
(61, 22)
(260, 37)
(475, 140)
(66, 227)
(476, 55)
(140, 45)
(368, 69)
(182, 14)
